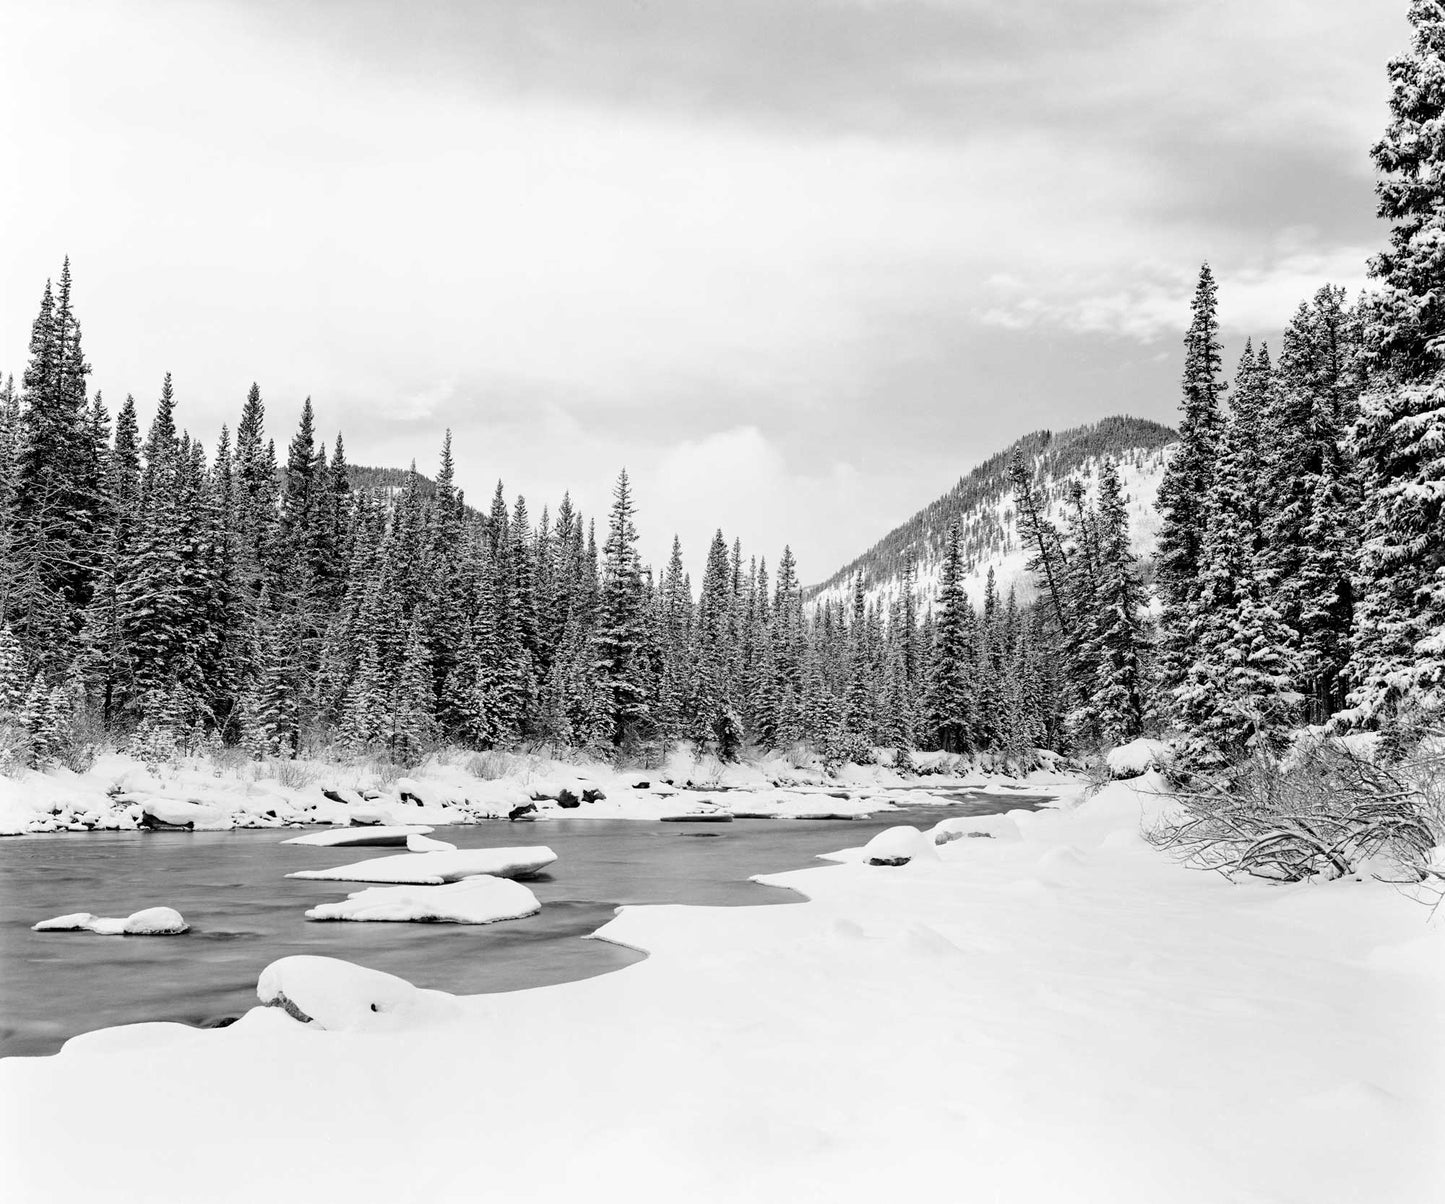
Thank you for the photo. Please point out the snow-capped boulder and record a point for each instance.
(169, 813)
(150, 921)
(480, 900)
(899, 846)
(364, 836)
(1137, 758)
(418, 843)
(155, 921)
(434, 869)
(960, 827)
(338, 996)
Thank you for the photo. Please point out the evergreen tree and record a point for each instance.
(1185, 487)
(951, 703)
(620, 618)
(1237, 688)
(1398, 660)
(1119, 680)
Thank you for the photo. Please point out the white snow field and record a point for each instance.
(478, 900)
(1063, 1016)
(434, 869)
(149, 921)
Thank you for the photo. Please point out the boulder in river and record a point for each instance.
(899, 846)
(150, 921)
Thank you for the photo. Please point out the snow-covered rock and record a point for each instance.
(364, 836)
(434, 869)
(1136, 758)
(150, 921)
(479, 900)
(960, 827)
(338, 996)
(179, 813)
(418, 843)
(155, 921)
(899, 846)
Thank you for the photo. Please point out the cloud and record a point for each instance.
(1145, 302)
(757, 240)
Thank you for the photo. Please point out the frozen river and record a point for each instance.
(244, 913)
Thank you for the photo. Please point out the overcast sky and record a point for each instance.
(798, 264)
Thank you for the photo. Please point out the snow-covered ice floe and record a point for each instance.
(478, 900)
(433, 869)
(150, 921)
(337, 996)
(363, 836)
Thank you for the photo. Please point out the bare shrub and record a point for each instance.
(496, 763)
(230, 761)
(1322, 811)
(293, 775)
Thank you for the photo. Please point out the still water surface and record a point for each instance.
(244, 913)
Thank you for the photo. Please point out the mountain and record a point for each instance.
(982, 503)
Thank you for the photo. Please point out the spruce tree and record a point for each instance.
(1185, 486)
(1119, 685)
(619, 619)
(1398, 660)
(951, 700)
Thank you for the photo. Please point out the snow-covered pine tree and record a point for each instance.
(104, 649)
(619, 630)
(1085, 611)
(1237, 689)
(1185, 486)
(257, 491)
(14, 680)
(54, 502)
(1119, 684)
(1310, 492)
(952, 715)
(1398, 661)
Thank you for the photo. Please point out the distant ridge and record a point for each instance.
(982, 504)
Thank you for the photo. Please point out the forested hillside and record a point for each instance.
(982, 506)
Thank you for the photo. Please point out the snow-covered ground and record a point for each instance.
(1046, 1010)
(121, 793)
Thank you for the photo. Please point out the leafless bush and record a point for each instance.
(496, 763)
(293, 775)
(1322, 811)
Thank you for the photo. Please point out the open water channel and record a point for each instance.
(244, 913)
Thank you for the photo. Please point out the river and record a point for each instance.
(244, 913)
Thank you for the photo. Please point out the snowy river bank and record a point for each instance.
(1051, 1011)
(244, 913)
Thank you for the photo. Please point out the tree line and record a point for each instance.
(164, 597)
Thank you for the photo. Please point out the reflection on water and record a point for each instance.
(244, 913)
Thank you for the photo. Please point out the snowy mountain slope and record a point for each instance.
(983, 505)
